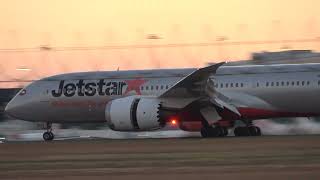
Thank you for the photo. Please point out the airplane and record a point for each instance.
(208, 100)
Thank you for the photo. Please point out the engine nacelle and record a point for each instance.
(134, 113)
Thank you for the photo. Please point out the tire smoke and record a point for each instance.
(298, 126)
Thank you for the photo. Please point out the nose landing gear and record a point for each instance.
(48, 135)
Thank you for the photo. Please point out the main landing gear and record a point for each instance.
(48, 135)
(247, 131)
(214, 131)
(220, 131)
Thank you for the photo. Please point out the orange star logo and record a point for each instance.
(134, 85)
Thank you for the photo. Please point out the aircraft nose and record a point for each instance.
(12, 109)
(17, 107)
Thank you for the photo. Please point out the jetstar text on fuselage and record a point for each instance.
(81, 88)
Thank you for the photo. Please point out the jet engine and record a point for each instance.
(134, 113)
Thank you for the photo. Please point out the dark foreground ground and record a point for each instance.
(262, 158)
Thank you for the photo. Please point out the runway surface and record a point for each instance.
(266, 157)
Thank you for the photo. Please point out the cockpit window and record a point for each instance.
(23, 92)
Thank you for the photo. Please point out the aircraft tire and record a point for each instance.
(241, 131)
(52, 136)
(254, 131)
(213, 132)
(225, 131)
(216, 132)
(204, 132)
(257, 131)
(48, 136)
(247, 131)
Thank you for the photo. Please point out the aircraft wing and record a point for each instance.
(199, 85)
(192, 85)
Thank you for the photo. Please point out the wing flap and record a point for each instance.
(219, 99)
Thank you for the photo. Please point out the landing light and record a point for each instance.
(173, 122)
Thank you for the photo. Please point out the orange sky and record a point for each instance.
(60, 23)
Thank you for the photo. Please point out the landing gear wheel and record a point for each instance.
(247, 131)
(241, 131)
(52, 135)
(254, 131)
(204, 132)
(225, 131)
(213, 132)
(48, 136)
(236, 131)
(258, 131)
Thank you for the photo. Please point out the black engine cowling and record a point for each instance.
(134, 113)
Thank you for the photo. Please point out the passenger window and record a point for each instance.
(267, 84)
(221, 85)
(167, 87)
(227, 85)
(308, 82)
(141, 88)
(272, 83)
(161, 87)
(282, 83)
(257, 84)
(157, 87)
(231, 85)
(241, 84)
(237, 85)
(147, 87)
(298, 83)
(277, 83)
(292, 83)
(288, 83)
(151, 88)
(302, 83)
